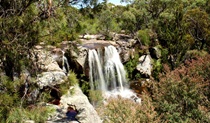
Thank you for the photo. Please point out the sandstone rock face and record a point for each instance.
(82, 54)
(51, 74)
(126, 48)
(50, 78)
(145, 65)
(58, 56)
(86, 112)
(45, 61)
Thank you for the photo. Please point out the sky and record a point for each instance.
(116, 2)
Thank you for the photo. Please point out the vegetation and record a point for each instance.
(13, 104)
(180, 27)
(180, 96)
(126, 111)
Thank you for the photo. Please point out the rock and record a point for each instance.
(77, 58)
(58, 56)
(28, 121)
(127, 54)
(44, 61)
(50, 78)
(87, 113)
(155, 52)
(145, 65)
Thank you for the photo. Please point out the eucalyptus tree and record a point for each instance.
(196, 22)
(24, 23)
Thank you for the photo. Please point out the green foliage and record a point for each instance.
(143, 35)
(130, 67)
(178, 101)
(11, 107)
(197, 24)
(84, 84)
(107, 23)
(71, 81)
(89, 26)
(96, 97)
(157, 68)
(164, 54)
(129, 21)
(37, 114)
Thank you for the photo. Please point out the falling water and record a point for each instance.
(96, 74)
(106, 70)
(107, 73)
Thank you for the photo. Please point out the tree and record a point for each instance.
(25, 23)
(129, 21)
(197, 25)
(19, 32)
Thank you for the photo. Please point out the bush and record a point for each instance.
(143, 35)
(183, 94)
(130, 67)
(37, 114)
(179, 101)
(71, 81)
(157, 69)
(96, 97)
(120, 110)
(13, 109)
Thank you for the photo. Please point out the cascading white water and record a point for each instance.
(95, 73)
(107, 74)
(106, 70)
(114, 70)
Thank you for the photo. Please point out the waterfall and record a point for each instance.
(66, 65)
(114, 70)
(95, 73)
(106, 71)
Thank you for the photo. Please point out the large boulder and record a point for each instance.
(51, 74)
(86, 112)
(50, 78)
(44, 61)
(145, 65)
(77, 57)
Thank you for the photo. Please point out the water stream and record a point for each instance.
(107, 73)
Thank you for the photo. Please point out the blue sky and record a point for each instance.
(116, 2)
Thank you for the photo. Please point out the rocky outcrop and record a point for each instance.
(50, 78)
(145, 65)
(86, 112)
(44, 61)
(51, 74)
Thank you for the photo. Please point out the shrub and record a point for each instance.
(120, 110)
(179, 101)
(143, 35)
(37, 114)
(130, 67)
(71, 81)
(183, 94)
(96, 97)
(157, 68)
(13, 109)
